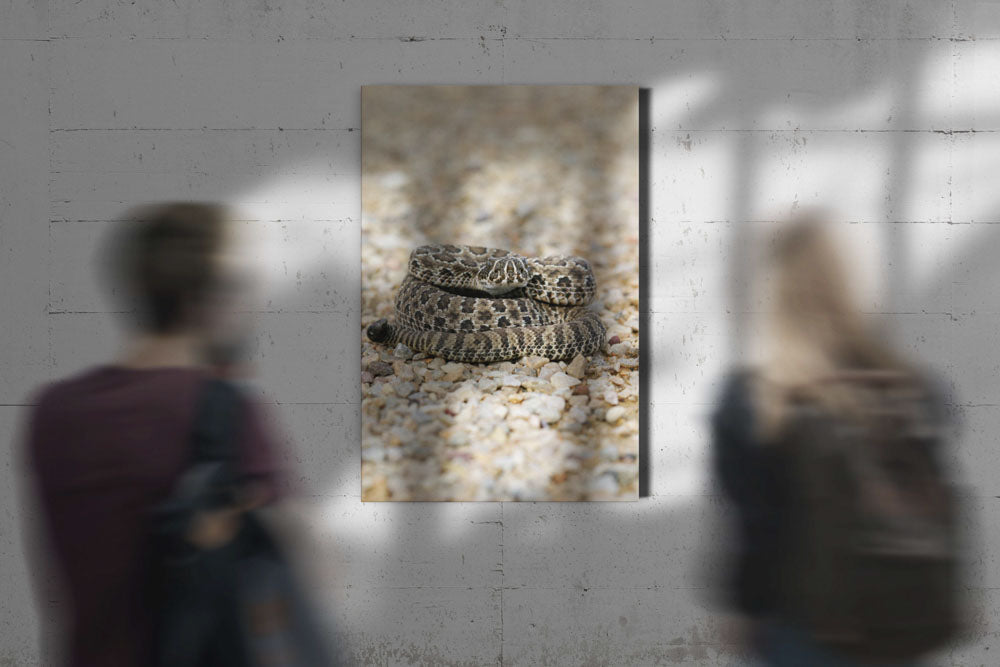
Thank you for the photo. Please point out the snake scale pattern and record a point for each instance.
(481, 305)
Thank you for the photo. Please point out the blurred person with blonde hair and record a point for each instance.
(817, 448)
(104, 446)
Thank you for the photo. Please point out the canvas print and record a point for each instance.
(500, 293)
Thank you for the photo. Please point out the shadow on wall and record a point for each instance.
(666, 536)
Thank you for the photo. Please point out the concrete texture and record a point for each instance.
(888, 112)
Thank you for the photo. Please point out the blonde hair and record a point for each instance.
(816, 330)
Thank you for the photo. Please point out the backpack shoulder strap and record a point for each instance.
(216, 421)
(212, 472)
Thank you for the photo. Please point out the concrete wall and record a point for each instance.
(886, 111)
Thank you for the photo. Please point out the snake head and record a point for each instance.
(503, 275)
(379, 331)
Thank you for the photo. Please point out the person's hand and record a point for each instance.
(214, 528)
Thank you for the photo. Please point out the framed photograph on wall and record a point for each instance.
(500, 293)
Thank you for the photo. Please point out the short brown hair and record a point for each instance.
(168, 260)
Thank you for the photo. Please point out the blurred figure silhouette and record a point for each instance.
(106, 446)
(829, 449)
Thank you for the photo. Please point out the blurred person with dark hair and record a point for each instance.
(105, 446)
(806, 486)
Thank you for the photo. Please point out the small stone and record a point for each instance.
(366, 377)
(534, 362)
(578, 367)
(377, 368)
(614, 414)
(374, 454)
(536, 384)
(435, 387)
(614, 340)
(581, 389)
(405, 389)
(510, 381)
(604, 484)
(394, 179)
(548, 370)
(504, 367)
(563, 380)
(610, 396)
(547, 408)
(452, 372)
(402, 370)
(615, 329)
(422, 417)
(402, 352)
(487, 384)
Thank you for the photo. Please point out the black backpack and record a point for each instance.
(871, 561)
(238, 605)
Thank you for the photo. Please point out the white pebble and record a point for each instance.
(604, 484)
(563, 380)
(487, 384)
(511, 381)
(372, 454)
(610, 396)
(614, 414)
(534, 362)
(536, 384)
(578, 367)
(394, 179)
(548, 408)
(548, 370)
(402, 352)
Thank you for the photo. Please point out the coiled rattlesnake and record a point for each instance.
(479, 305)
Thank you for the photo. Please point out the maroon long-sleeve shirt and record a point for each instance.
(104, 447)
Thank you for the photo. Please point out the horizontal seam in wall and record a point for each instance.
(478, 38)
(204, 129)
(654, 130)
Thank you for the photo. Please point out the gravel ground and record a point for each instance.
(540, 171)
